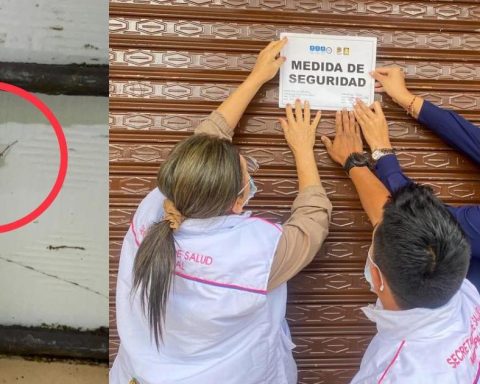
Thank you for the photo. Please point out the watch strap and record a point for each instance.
(379, 153)
(356, 159)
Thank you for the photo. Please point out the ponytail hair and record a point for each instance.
(202, 176)
(153, 274)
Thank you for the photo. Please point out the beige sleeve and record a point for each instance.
(215, 125)
(303, 235)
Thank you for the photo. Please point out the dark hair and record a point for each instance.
(202, 176)
(420, 249)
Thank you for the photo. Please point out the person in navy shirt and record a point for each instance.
(452, 128)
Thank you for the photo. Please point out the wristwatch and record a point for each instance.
(379, 153)
(356, 159)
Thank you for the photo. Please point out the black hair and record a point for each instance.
(420, 249)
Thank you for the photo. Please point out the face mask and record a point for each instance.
(368, 274)
(251, 193)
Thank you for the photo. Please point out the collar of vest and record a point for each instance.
(190, 226)
(417, 322)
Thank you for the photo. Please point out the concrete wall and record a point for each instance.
(55, 269)
(54, 31)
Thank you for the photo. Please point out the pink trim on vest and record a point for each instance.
(222, 285)
(477, 376)
(266, 221)
(134, 234)
(391, 363)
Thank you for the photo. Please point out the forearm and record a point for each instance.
(407, 102)
(452, 128)
(390, 174)
(303, 235)
(373, 194)
(234, 106)
(468, 216)
(307, 170)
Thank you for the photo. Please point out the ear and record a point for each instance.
(376, 279)
(238, 205)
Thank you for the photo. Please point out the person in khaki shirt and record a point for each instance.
(307, 227)
(149, 255)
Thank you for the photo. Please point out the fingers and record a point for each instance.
(379, 87)
(378, 109)
(279, 61)
(298, 111)
(290, 117)
(367, 112)
(279, 44)
(276, 46)
(306, 111)
(357, 129)
(284, 125)
(345, 121)
(384, 70)
(318, 116)
(351, 122)
(378, 76)
(338, 123)
(359, 115)
(327, 142)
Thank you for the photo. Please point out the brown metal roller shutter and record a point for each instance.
(173, 61)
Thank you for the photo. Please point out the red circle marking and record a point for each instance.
(62, 170)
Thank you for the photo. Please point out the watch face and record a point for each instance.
(359, 159)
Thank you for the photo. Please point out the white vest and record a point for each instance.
(222, 326)
(425, 346)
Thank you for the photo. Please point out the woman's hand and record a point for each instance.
(265, 68)
(392, 81)
(374, 125)
(347, 139)
(268, 62)
(300, 135)
(299, 131)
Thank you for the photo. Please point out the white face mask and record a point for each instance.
(368, 274)
(251, 193)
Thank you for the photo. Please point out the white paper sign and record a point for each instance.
(328, 71)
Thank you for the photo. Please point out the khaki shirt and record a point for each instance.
(306, 229)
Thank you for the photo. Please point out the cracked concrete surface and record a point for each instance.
(21, 371)
(57, 266)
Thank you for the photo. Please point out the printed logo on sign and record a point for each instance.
(321, 49)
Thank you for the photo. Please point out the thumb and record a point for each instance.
(279, 61)
(377, 76)
(327, 142)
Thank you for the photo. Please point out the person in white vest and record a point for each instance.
(201, 291)
(427, 313)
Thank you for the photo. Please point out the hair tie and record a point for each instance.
(172, 214)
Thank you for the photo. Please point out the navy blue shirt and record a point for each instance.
(465, 137)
